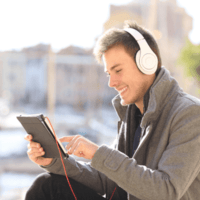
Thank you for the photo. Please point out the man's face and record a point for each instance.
(125, 77)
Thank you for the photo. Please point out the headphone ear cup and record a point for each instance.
(147, 61)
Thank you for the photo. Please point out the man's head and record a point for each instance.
(114, 37)
(118, 48)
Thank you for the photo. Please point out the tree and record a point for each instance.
(189, 58)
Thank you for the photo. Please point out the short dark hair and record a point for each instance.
(115, 36)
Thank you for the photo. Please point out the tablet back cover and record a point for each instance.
(34, 125)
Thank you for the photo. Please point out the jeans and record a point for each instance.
(48, 186)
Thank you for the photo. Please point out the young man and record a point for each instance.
(156, 155)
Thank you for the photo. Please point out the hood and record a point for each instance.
(163, 89)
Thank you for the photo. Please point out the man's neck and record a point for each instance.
(140, 107)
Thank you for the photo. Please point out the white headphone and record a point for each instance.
(146, 59)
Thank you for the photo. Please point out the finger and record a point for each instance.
(76, 143)
(28, 137)
(79, 150)
(34, 156)
(35, 152)
(66, 138)
(33, 145)
(73, 142)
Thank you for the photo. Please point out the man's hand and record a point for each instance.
(35, 151)
(80, 146)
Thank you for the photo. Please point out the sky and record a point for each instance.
(61, 23)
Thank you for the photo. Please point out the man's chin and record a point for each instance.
(123, 103)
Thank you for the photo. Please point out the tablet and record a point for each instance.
(39, 127)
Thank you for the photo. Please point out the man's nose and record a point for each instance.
(113, 82)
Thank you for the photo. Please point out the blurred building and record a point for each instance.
(1, 74)
(12, 72)
(169, 24)
(79, 80)
(36, 74)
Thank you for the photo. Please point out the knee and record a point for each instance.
(41, 183)
(42, 179)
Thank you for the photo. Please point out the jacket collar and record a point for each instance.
(157, 96)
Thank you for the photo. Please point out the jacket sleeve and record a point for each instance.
(178, 166)
(79, 171)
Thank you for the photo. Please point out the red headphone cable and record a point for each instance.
(62, 160)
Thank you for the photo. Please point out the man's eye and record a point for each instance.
(118, 71)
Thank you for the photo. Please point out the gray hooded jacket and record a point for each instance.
(166, 164)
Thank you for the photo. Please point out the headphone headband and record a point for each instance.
(137, 35)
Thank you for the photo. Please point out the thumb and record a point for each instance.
(66, 138)
(28, 137)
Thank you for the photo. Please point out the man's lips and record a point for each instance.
(122, 90)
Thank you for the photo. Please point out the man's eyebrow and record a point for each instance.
(113, 67)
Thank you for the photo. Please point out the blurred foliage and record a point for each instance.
(189, 58)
